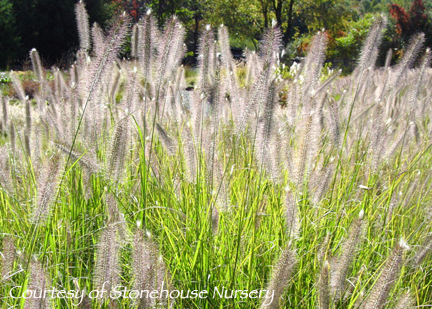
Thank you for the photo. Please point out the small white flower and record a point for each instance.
(403, 244)
(364, 187)
(232, 169)
(361, 214)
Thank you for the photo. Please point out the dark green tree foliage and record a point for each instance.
(49, 26)
(9, 41)
(54, 29)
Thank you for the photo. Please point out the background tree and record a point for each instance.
(409, 22)
(9, 40)
(50, 27)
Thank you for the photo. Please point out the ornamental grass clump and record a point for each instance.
(148, 174)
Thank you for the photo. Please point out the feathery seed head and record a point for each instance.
(342, 263)
(39, 283)
(82, 19)
(361, 214)
(47, 189)
(281, 276)
(387, 279)
(7, 257)
(37, 65)
(107, 269)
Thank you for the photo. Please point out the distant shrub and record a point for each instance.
(348, 46)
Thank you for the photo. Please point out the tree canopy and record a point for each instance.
(50, 26)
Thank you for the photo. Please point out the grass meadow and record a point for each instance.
(311, 191)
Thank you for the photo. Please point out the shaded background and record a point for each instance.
(50, 26)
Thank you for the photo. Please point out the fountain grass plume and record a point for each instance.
(131, 93)
(134, 41)
(118, 150)
(342, 263)
(12, 137)
(327, 82)
(368, 53)
(302, 154)
(114, 86)
(5, 110)
(107, 267)
(405, 301)
(197, 111)
(257, 96)
(269, 49)
(253, 66)
(408, 59)
(423, 251)
(37, 66)
(144, 261)
(378, 137)
(412, 103)
(7, 258)
(170, 51)
(5, 168)
(100, 67)
(148, 44)
(99, 39)
(314, 62)
(163, 281)
(116, 217)
(206, 59)
(280, 277)
(266, 132)
(47, 189)
(271, 44)
(378, 296)
(16, 83)
(323, 288)
(216, 97)
(38, 283)
(28, 127)
(177, 96)
(226, 56)
(291, 215)
(189, 154)
(323, 184)
(269, 107)
(388, 58)
(82, 20)
(166, 141)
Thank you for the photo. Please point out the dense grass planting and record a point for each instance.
(246, 191)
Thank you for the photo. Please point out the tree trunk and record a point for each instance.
(277, 6)
(287, 35)
(264, 10)
(196, 34)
